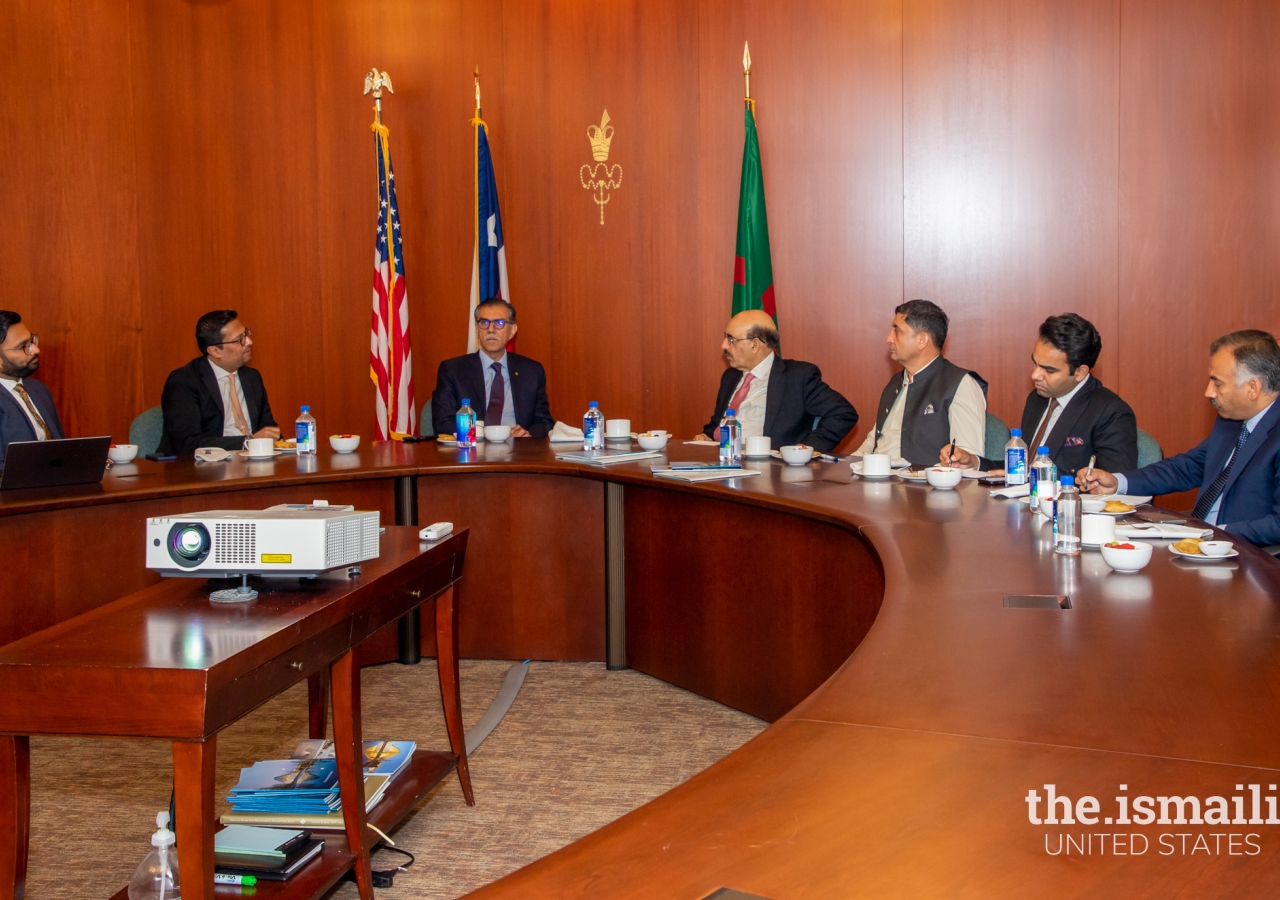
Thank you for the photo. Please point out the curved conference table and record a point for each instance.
(912, 710)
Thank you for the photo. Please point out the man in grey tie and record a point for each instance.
(27, 411)
(1236, 466)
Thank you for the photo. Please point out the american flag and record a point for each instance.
(390, 356)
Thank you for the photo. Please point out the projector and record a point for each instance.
(295, 541)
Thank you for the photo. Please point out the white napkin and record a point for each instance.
(1160, 530)
(212, 454)
(565, 433)
(1018, 490)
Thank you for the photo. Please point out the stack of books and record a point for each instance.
(702, 471)
(302, 792)
(268, 854)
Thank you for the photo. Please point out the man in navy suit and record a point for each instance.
(217, 399)
(27, 412)
(785, 399)
(504, 388)
(1237, 467)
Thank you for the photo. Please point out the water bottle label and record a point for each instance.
(724, 437)
(1015, 465)
(466, 428)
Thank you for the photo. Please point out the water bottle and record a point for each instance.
(465, 424)
(1066, 518)
(730, 439)
(593, 428)
(1015, 459)
(305, 429)
(1044, 477)
(156, 877)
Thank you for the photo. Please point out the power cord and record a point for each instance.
(384, 878)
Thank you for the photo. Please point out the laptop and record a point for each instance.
(36, 464)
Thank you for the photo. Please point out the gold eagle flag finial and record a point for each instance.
(376, 81)
(600, 136)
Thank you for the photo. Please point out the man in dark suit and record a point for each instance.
(1070, 412)
(785, 399)
(27, 412)
(1237, 467)
(504, 388)
(216, 400)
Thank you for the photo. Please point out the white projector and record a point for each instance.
(288, 541)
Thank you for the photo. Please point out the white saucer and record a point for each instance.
(758, 455)
(244, 454)
(915, 479)
(1200, 557)
(857, 470)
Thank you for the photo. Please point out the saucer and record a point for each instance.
(1201, 557)
(244, 454)
(857, 470)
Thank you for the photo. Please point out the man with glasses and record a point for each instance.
(504, 388)
(216, 400)
(785, 399)
(27, 411)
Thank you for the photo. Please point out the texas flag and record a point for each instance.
(489, 265)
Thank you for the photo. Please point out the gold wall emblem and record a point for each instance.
(601, 177)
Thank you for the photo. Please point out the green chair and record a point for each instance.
(997, 436)
(146, 430)
(426, 425)
(1148, 450)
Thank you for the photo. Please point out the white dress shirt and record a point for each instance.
(1122, 483)
(508, 405)
(750, 413)
(1057, 414)
(968, 418)
(229, 426)
(12, 385)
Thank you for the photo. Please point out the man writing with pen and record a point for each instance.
(1069, 411)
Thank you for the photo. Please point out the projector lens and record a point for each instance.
(189, 544)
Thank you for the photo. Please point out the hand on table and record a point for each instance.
(1098, 482)
(269, 432)
(951, 455)
(517, 431)
(702, 437)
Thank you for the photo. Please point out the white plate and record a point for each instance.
(1200, 557)
(857, 470)
(244, 454)
(759, 455)
(447, 443)
(915, 479)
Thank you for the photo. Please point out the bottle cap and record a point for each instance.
(163, 836)
(1068, 480)
(1016, 432)
(466, 401)
(728, 412)
(593, 404)
(1043, 449)
(306, 409)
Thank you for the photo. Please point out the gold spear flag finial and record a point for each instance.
(746, 66)
(477, 91)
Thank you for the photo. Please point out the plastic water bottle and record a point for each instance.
(1044, 477)
(1015, 459)
(465, 426)
(1066, 518)
(593, 428)
(730, 438)
(305, 428)
(156, 877)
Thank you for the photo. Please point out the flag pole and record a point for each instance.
(374, 83)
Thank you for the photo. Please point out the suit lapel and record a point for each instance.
(1032, 414)
(204, 371)
(1068, 418)
(1256, 439)
(15, 411)
(513, 370)
(476, 386)
(773, 393)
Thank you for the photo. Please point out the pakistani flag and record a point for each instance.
(752, 269)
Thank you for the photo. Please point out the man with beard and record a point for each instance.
(1236, 466)
(27, 411)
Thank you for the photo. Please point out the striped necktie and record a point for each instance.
(31, 408)
(237, 411)
(1211, 493)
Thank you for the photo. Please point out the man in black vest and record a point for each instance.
(933, 402)
(1070, 412)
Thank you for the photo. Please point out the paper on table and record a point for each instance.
(1018, 490)
(1162, 530)
(563, 432)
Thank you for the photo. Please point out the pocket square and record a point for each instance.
(928, 410)
(1073, 442)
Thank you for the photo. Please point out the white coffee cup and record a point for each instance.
(617, 428)
(759, 445)
(875, 464)
(1097, 530)
(1215, 548)
(260, 448)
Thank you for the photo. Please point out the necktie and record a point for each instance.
(237, 411)
(741, 393)
(1044, 426)
(1210, 494)
(497, 397)
(31, 408)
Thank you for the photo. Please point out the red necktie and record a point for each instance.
(741, 394)
(497, 397)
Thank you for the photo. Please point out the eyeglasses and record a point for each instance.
(248, 333)
(733, 340)
(495, 324)
(29, 345)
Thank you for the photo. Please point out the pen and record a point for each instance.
(246, 880)
(951, 447)
(1092, 459)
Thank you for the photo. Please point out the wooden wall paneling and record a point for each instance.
(828, 78)
(525, 592)
(1010, 170)
(1199, 221)
(68, 263)
(226, 136)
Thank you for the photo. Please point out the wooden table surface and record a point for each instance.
(906, 771)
